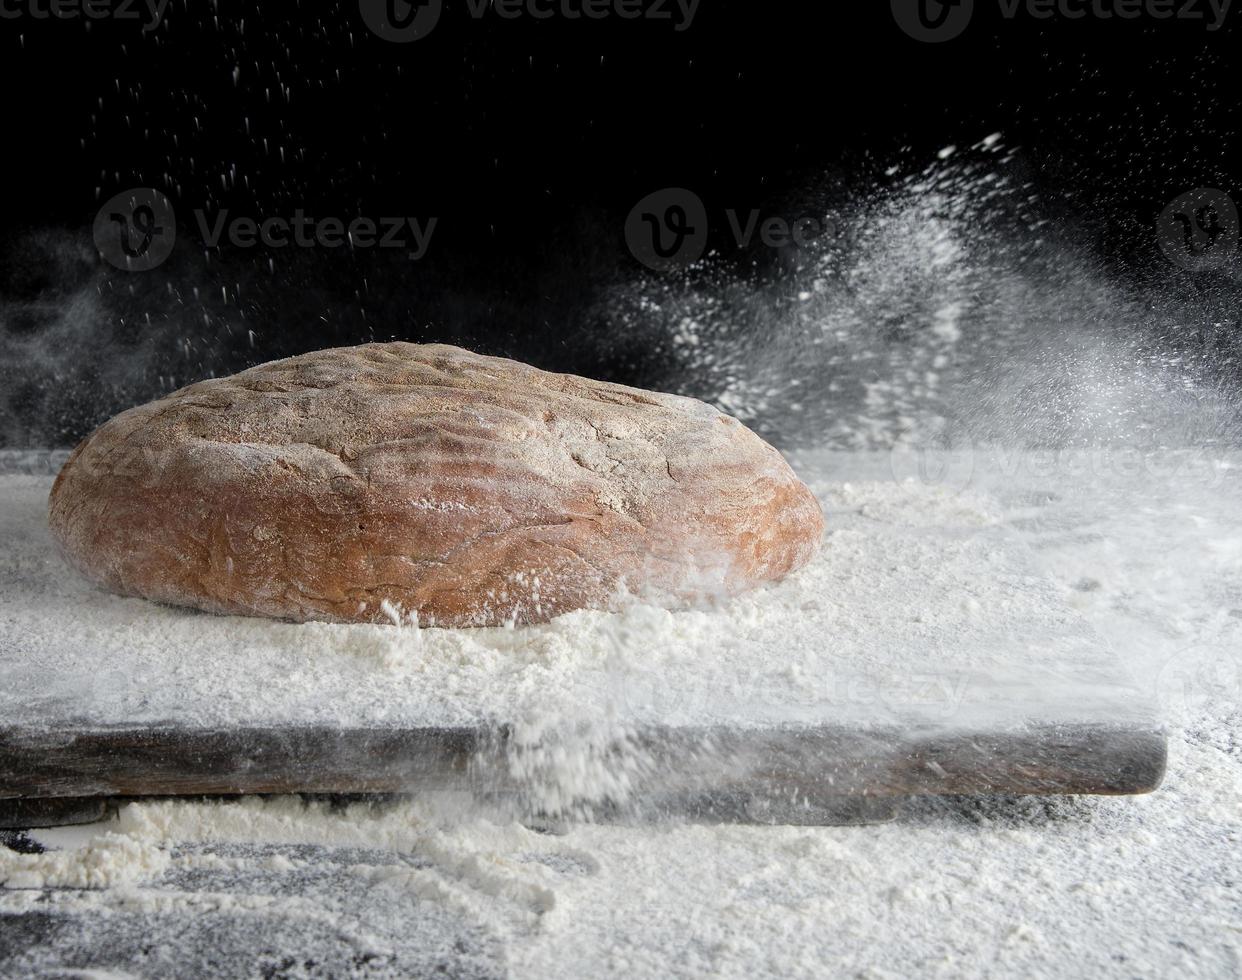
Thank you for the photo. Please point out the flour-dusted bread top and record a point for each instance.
(348, 484)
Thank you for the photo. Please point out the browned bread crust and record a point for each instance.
(469, 490)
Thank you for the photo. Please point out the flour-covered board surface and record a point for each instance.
(923, 629)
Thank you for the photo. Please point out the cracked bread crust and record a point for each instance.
(467, 490)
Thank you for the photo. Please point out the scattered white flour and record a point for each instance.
(1141, 886)
(107, 861)
(1150, 562)
(921, 607)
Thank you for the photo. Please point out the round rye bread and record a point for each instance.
(396, 480)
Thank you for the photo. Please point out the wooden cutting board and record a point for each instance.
(764, 717)
(683, 770)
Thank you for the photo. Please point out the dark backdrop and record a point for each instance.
(529, 140)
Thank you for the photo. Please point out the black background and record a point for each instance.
(530, 140)
(522, 123)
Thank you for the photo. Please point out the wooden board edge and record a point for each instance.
(773, 763)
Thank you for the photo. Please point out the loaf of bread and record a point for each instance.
(401, 480)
